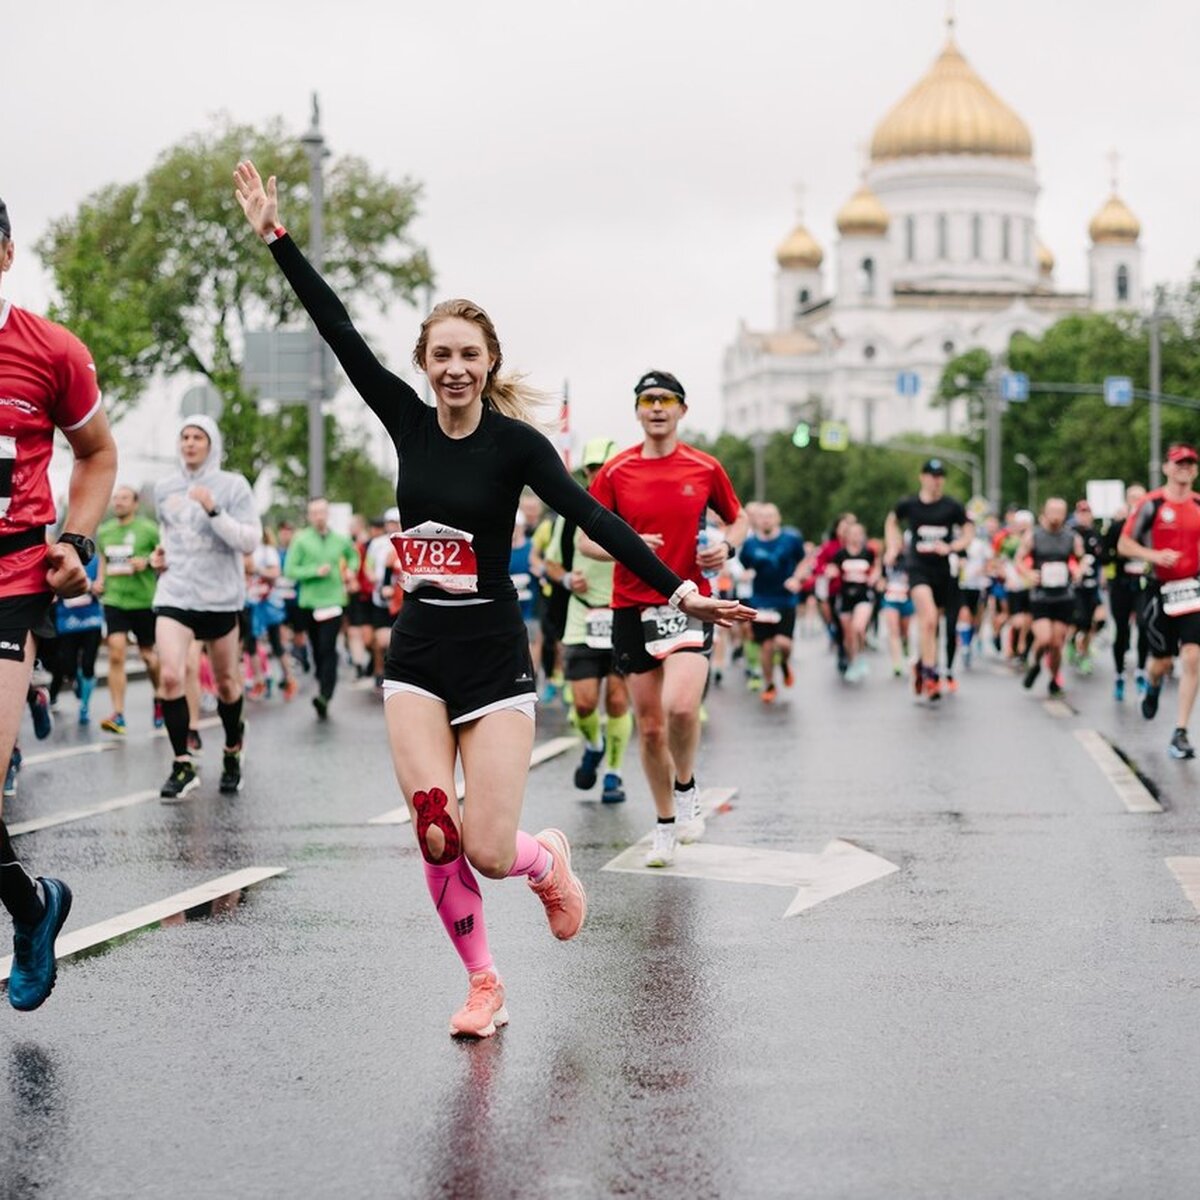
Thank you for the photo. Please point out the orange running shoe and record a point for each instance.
(951, 684)
(769, 694)
(561, 892)
(484, 1011)
(290, 688)
(788, 677)
(933, 688)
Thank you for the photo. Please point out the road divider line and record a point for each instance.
(215, 896)
(82, 814)
(1187, 871)
(1128, 785)
(34, 760)
(541, 754)
(1058, 708)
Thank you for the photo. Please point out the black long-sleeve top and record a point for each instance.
(472, 483)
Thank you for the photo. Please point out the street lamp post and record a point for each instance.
(313, 142)
(1023, 460)
(1155, 389)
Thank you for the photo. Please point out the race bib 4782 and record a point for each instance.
(439, 555)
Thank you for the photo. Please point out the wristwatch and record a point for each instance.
(215, 511)
(84, 546)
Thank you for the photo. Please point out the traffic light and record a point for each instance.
(801, 435)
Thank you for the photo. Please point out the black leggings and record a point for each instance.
(1127, 601)
(323, 636)
(74, 652)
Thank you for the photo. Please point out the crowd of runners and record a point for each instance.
(500, 580)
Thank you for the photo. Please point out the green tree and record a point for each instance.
(162, 275)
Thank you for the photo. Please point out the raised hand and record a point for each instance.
(715, 611)
(259, 203)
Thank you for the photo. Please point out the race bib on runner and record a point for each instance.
(1181, 596)
(439, 555)
(598, 629)
(928, 537)
(327, 614)
(78, 601)
(768, 616)
(1056, 575)
(521, 582)
(1135, 566)
(897, 590)
(118, 559)
(666, 629)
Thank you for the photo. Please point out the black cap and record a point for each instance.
(933, 466)
(659, 379)
(5, 224)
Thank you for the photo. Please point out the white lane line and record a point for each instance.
(1187, 871)
(33, 760)
(543, 753)
(1058, 708)
(1132, 792)
(82, 814)
(227, 888)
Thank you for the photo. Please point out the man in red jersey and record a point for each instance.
(1164, 530)
(47, 382)
(664, 489)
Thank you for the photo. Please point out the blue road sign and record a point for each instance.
(1118, 391)
(1014, 385)
(908, 383)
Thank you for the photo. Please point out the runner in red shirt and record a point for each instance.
(1164, 530)
(47, 382)
(664, 490)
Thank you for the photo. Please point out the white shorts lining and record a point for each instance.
(525, 703)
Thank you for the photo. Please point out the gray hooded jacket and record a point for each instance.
(205, 572)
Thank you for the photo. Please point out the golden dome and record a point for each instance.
(951, 111)
(1115, 223)
(1045, 259)
(863, 214)
(799, 251)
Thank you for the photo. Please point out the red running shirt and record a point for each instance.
(47, 382)
(668, 496)
(1164, 524)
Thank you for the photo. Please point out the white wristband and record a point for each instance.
(686, 588)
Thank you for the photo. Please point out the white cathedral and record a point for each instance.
(937, 253)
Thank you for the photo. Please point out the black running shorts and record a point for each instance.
(1087, 600)
(381, 617)
(937, 581)
(1060, 609)
(138, 621)
(1018, 603)
(358, 610)
(970, 599)
(582, 662)
(207, 626)
(629, 642)
(785, 627)
(19, 617)
(1164, 634)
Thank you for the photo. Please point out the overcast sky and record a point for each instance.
(610, 180)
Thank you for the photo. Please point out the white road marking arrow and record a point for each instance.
(840, 867)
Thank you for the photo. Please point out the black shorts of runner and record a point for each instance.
(938, 582)
(762, 631)
(1018, 603)
(207, 626)
(629, 643)
(295, 617)
(970, 599)
(1087, 601)
(19, 617)
(1060, 609)
(582, 662)
(138, 621)
(358, 610)
(849, 598)
(1164, 634)
(381, 617)
(473, 661)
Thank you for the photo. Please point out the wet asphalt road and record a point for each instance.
(1011, 1014)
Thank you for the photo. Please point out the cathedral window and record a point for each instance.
(943, 236)
(866, 277)
(1122, 283)
(1006, 239)
(976, 237)
(910, 238)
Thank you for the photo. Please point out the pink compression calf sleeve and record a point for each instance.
(532, 858)
(455, 892)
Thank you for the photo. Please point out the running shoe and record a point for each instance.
(159, 719)
(951, 685)
(291, 687)
(1142, 682)
(10, 778)
(1031, 675)
(689, 817)
(933, 689)
(258, 690)
(754, 682)
(662, 848)
(898, 672)
(614, 789)
(231, 772)
(1119, 688)
(560, 891)
(114, 723)
(1087, 664)
(769, 695)
(1180, 746)
(195, 745)
(788, 678)
(1150, 700)
(34, 967)
(39, 710)
(585, 773)
(1055, 687)
(321, 704)
(484, 1011)
(183, 779)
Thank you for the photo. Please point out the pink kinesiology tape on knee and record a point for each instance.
(456, 896)
(431, 814)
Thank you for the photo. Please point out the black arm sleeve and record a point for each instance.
(548, 477)
(387, 395)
